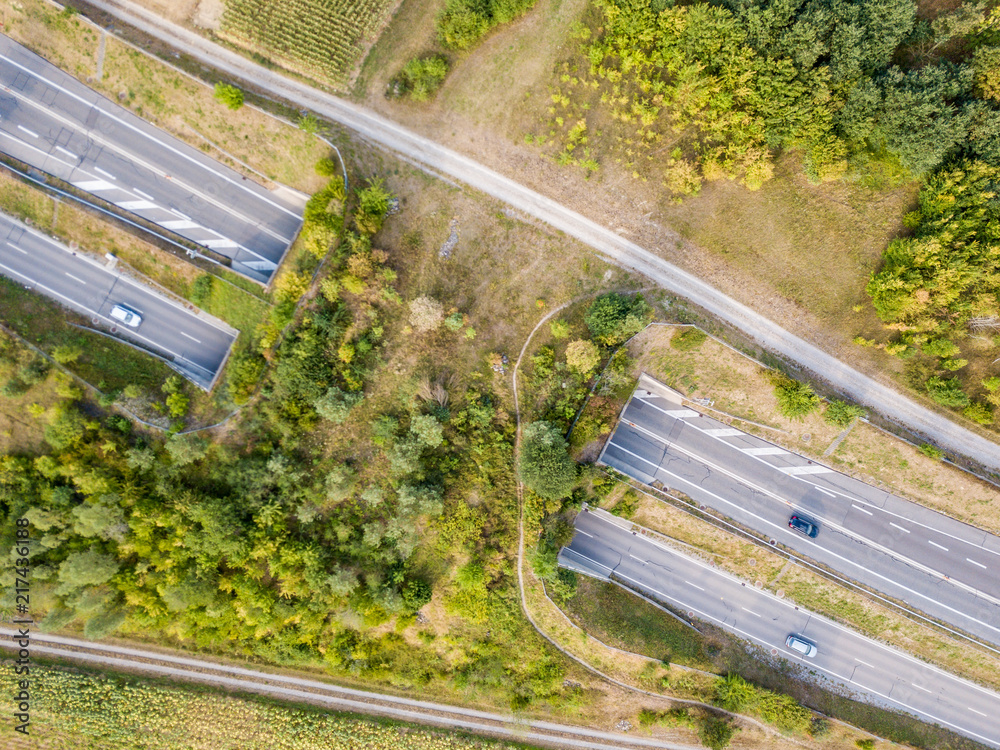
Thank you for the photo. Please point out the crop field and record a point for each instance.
(74, 710)
(320, 39)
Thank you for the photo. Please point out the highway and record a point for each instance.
(847, 662)
(937, 565)
(50, 120)
(193, 341)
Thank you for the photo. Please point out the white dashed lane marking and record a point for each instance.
(190, 337)
(896, 525)
(939, 546)
(32, 133)
(975, 563)
(75, 278)
(857, 507)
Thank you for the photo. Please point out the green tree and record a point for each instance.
(559, 329)
(582, 357)
(373, 206)
(335, 405)
(422, 76)
(229, 95)
(544, 464)
(87, 568)
(795, 399)
(612, 318)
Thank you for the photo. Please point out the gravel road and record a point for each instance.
(382, 131)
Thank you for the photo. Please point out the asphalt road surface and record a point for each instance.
(50, 120)
(882, 397)
(849, 662)
(194, 342)
(938, 565)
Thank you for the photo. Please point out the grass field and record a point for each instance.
(320, 39)
(72, 709)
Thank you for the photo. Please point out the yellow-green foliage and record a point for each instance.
(318, 38)
(79, 710)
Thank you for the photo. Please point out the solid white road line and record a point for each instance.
(858, 507)
(975, 563)
(939, 546)
(32, 133)
(11, 244)
(896, 525)
(68, 153)
(106, 174)
(189, 337)
(75, 278)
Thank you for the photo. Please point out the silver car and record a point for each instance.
(126, 315)
(801, 645)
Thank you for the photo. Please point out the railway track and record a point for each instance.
(522, 729)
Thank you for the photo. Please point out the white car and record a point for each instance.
(126, 315)
(800, 644)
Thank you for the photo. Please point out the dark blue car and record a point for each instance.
(800, 524)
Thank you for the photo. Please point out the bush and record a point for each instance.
(841, 414)
(544, 464)
(979, 412)
(716, 733)
(612, 318)
(336, 405)
(583, 357)
(931, 452)
(795, 399)
(947, 392)
(326, 167)
(373, 207)
(66, 354)
(426, 314)
(201, 289)
(560, 329)
(422, 76)
(231, 96)
(690, 339)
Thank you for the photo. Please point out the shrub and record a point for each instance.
(979, 412)
(583, 357)
(716, 733)
(426, 314)
(231, 96)
(841, 414)
(560, 329)
(795, 399)
(612, 318)
(201, 289)
(336, 405)
(931, 452)
(690, 339)
(373, 207)
(422, 76)
(66, 354)
(544, 464)
(326, 167)
(454, 322)
(947, 392)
